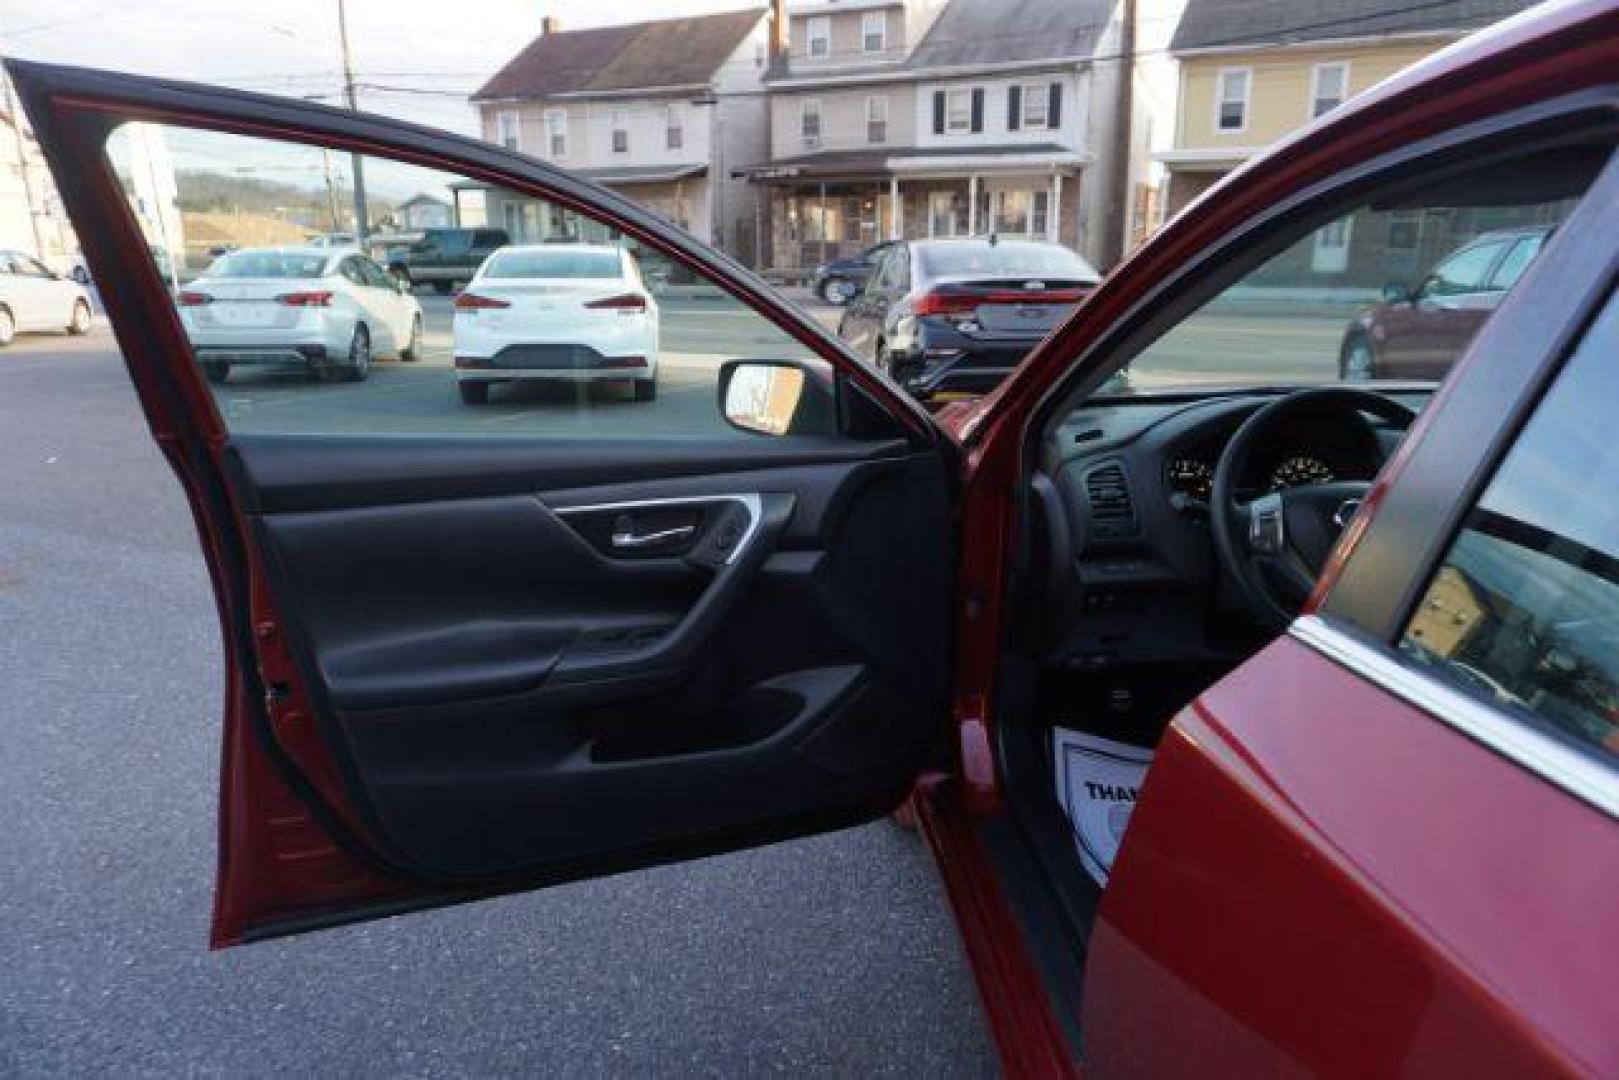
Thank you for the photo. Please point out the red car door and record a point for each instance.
(568, 632)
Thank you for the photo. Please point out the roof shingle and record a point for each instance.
(1209, 24)
(667, 52)
(1008, 31)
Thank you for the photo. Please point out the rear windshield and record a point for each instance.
(557, 263)
(268, 264)
(1004, 260)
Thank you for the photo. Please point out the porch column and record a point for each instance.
(1054, 226)
(824, 256)
(896, 210)
(972, 205)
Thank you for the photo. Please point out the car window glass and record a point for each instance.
(558, 344)
(1463, 273)
(1330, 301)
(1524, 610)
(1517, 260)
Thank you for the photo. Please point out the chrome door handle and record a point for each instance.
(624, 537)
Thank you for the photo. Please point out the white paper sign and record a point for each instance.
(1097, 783)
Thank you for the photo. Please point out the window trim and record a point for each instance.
(873, 119)
(1030, 93)
(1574, 770)
(1315, 87)
(818, 29)
(966, 95)
(618, 124)
(868, 19)
(515, 118)
(552, 116)
(1220, 99)
(811, 142)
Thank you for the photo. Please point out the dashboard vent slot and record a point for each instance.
(1107, 490)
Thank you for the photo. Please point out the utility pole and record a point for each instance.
(1116, 225)
(361, 228)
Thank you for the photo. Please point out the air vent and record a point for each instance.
(1108, 492)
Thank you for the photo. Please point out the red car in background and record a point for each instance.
(1367, 634)
(1417, 332)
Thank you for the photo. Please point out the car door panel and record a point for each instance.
(467, 665)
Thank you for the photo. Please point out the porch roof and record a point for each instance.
(865, 164)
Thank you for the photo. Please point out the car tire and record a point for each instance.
(413, 351)
(646, 389)
(8, 327)
(837, 291)
(359, 359)
(1357, 362)
(474, 393)
(444, 288)
(216, 370)
(79, 324)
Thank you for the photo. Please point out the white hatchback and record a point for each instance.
(35, 297)
(569, 312)
(328, 310)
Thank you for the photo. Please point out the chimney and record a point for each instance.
(778, 33)
(550, 24)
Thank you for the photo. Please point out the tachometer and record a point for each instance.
(1298, 471)
(1189, 476)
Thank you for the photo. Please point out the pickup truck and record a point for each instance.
(444, 258)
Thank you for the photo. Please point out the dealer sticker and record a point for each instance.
(1098, 781)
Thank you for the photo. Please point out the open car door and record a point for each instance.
(629, 602)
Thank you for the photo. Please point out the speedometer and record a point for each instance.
(1298, 471)
(1189, 476)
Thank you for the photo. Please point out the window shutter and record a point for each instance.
(1014, 107)
(938, 112)
(978, 108)
(1054, 111)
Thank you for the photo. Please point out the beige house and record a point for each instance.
(1250, 73)
(905, 118)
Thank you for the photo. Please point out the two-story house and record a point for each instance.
(894, 119)
(667, 112)
(1251, 73)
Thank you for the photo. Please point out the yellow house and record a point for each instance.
(1251, 73)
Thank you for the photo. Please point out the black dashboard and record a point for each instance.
(1122, 542)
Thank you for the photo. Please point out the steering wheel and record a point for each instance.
(1276, 544)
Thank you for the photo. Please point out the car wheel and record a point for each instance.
(216, 370)
(444, 288)
(474, 393)
(646, 389)
(1357, 363)
(837, 291)
(414, 349)
(8, 327)
(80, 323)
(359, 365)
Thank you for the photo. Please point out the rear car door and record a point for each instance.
(474, 651)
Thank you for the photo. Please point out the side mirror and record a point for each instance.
(776, 397)
(1395, 292)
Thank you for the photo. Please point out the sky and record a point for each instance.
(428, 54)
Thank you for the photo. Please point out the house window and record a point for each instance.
(1036, 105)
(819, 36)
(947, 213)
(556, 132)
(1329, 85)
(1329, 253)
(809, 122)
(512, 217)
(508, 130)
(1040, 216)
(621, 132)
(1231, 99)
(877, 119)
(958, 112)
(674, 133)
(874, 31)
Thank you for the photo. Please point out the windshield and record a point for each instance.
(1002, 259)
(1388, 292)
(553, 263)
(268, 264)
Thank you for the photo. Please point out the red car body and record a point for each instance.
(1321, 876)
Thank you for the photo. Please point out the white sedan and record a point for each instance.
(569, 312)
(35, 297)
(328, 310)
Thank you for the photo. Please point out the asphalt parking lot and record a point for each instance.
(827, 956)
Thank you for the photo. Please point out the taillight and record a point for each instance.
(941, 303)
(193, 299)
(305, 299)
(626, 303)
(473, 302)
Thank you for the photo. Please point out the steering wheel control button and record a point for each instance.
(1266, 532)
